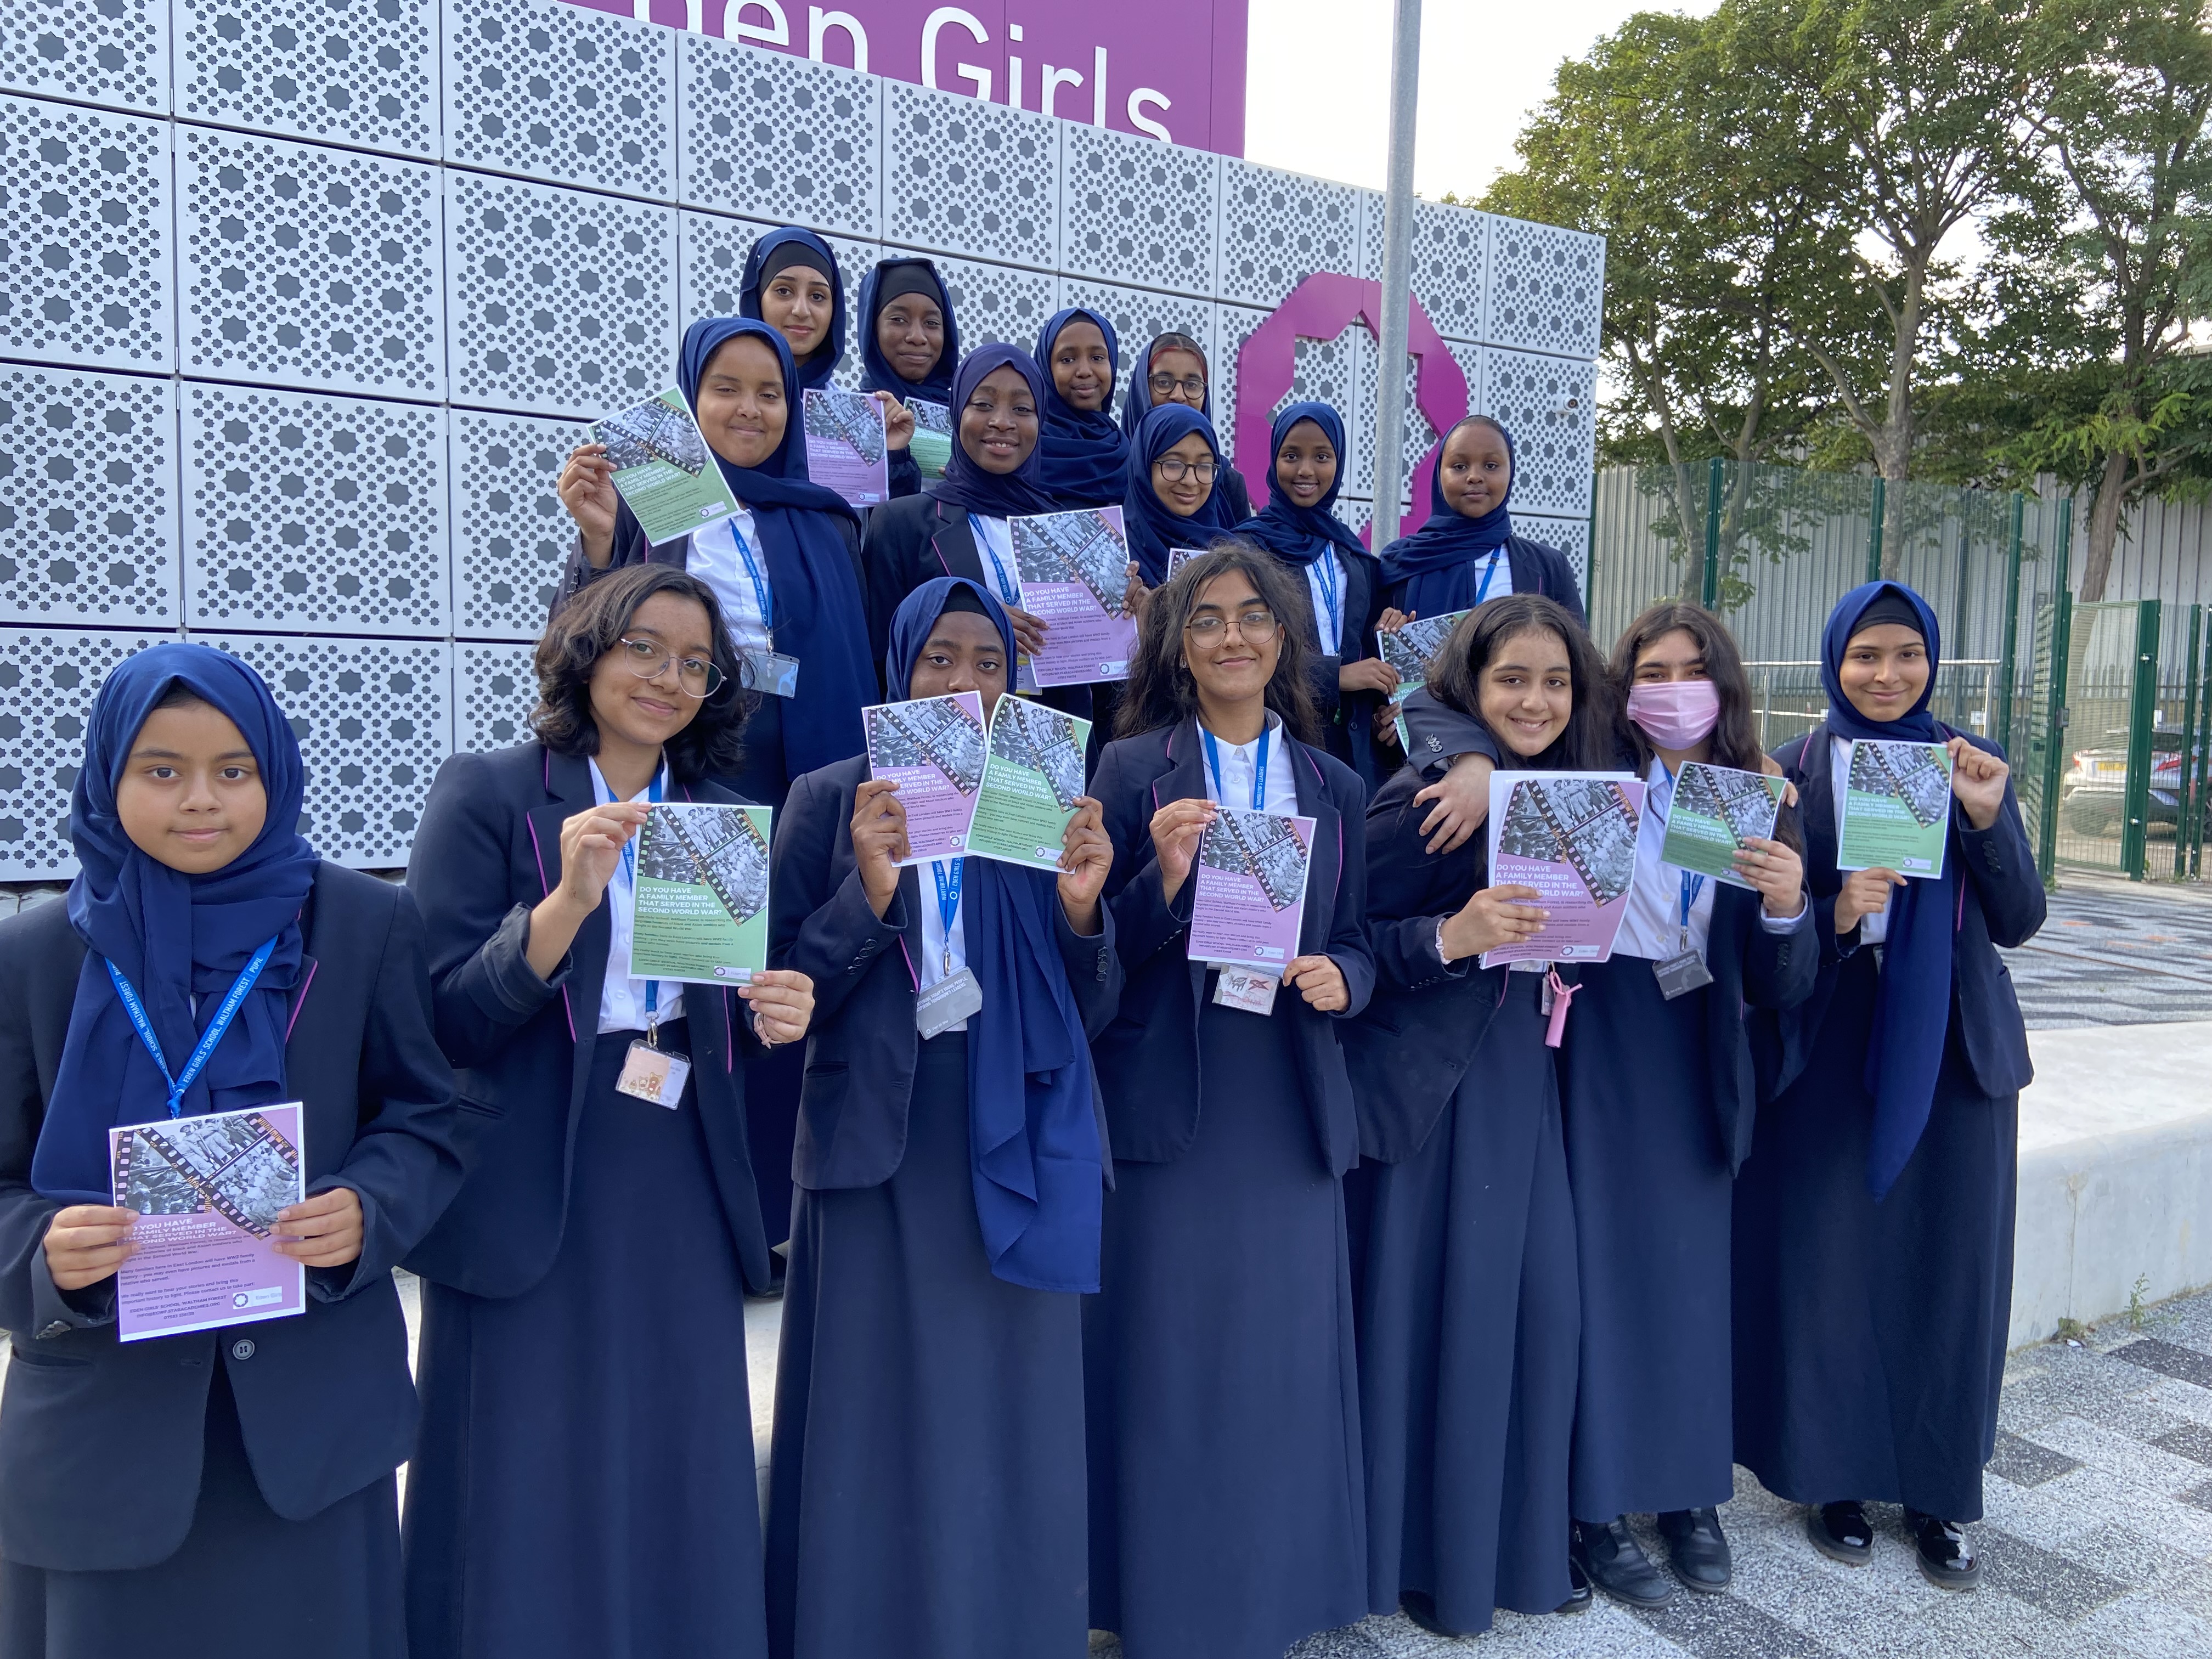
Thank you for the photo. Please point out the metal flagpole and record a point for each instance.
(1397, 272)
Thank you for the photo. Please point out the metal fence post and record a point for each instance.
(2203, 814)
(2002, 714)
(2062, 643)
(2142, 716)
(1874, 531)
(2187, 786)
(1710, 589)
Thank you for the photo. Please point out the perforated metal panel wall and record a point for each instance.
(303, 303)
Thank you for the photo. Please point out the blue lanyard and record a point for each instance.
(629, 867)
(1259, 768)
(1329, 578)
(948, 900)
(1482, 591)
(760, 582)
(213, 1035)
(1010, 592)
(1692, 886)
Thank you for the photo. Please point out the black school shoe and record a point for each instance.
(1699, 1548)
(1578, 1592)
(1609, 1555)
(1947, 1560)
(1420, 1606)
(1841, 1532)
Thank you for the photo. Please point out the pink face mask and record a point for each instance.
(1675, 713)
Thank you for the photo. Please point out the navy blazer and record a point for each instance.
(863, 1046)
(1147, 1057)
(1349, 724)
(2001, 902)
(1536, 569)
(100, 1441)
(488, 851)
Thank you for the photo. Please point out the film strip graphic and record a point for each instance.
(265, 1135)
(1080, 547)
(1919, 783)
(1042, 740)
(654, 432)
(1410, 650)
(943, 733)
(847, 418)
(1594, 828)
(744, 844)
(1275, 857)
(1744, 805)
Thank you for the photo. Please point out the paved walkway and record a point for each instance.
(2117, 953)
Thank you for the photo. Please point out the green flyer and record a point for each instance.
(1715, 810)
(931, 443)
(700, 912)
(663, 469)
(1031, 777)
(1897, 808)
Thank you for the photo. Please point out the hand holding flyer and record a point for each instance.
(1896, 809)
(1715, 810)
(1250, 898)
(931, 443)
(663, 469)
(932, 749)
(1407, 651)
(1074, 571)
(1031, 778)
(847, 447)
(699, 905)
(1570, 835)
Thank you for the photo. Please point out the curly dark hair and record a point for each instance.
(1589, 743)
(1160, 691)
(586, 628)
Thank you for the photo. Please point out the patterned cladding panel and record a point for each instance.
(1549, 405)
(374, 717)
(1136, 210)
(1451, 252)
(309, 267)
(321, 514)
(771, 136)
(345, 71)
(712, 253)
(560, 301)
(87, 498)
(85, 242)
(495, 688)
(1570, 536)
(1137, 317)
(965, 177)
(114, 52)
(1277, 228)
(511, 534)
(47, 680)
(1327, 372)
(552, 91)
(993, 302)
(1546, 288)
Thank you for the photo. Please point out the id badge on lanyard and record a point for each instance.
(768, 670)
(958, 993)
(1686, 970)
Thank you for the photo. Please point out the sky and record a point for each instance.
(1318, 84)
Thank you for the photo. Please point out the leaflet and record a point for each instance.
(699, 906)
(846, 449)
(1251, 895)
(663, 469)
(932, 749)
(1030, 781)
(1715, 810)
(1897, 809)
(1074, 569)
(208, 1190)
(933, 434)
(1180, 556)
(1570, 835)
(1407, 651)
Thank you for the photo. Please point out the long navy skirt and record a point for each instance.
(1652, 1199)
(926, 1496)
(585, 1483)
(1870, 1338)
(1467, 1348)
(244, 1584)
(1226, 1514)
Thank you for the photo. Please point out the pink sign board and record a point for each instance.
(1171, 68)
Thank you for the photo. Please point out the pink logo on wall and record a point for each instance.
(1320, 308)
(1171, 68)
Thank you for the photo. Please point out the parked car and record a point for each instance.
(2092, 793)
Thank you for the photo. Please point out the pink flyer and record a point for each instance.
(847, 450)
(1074, 572)
(1251, 895)
(207, 1191)
(932, 748)
(1570, 835)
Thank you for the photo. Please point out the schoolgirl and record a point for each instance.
(1873, 1220)
(1660, 1100)
(1225, 1436)
(1084, 455)
(227, 1490)
(1173, 370)
(910, 347)
(585, 1480)
(1465, 551)
(1305, 456)
(791, 283)
(1173, 497)
(1469, 1308)
(928, 1494)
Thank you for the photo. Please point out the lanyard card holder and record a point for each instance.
(1686, 970)
(770, 672)
(946, 1003)
(1247, 988)
(651, 1072)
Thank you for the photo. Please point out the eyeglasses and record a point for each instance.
(1165, 384)
(695, 676)
(1254, 624)
(1174, 469)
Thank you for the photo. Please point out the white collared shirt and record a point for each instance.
(1329, 620)
(718, 559)
(1237, 762)
(1873, 927)
(622, 998)
(938, 939)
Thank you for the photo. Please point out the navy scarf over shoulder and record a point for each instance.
(1299, 534)
(173, 935)
(1153, 530)
(1438, 562)
(1913, 1013)
(1033, 1150)
(1085, 452)
(879, 375)
(818, 368)
(814, 592)
(967, 486)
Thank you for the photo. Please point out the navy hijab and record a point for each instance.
(1033, 1151)
(1085, 455)
(760, 264)
(1437, 562)
(967, 486)
(1153, 530)
(1299, 534)
(1137, 401)
(1913, 1012)
(814, 591)
(172, 935)
(878, 373)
